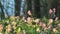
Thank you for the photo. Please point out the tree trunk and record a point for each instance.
(17, 7)
(37, 8)
(43, 8)
(33, 7)
(2, 12)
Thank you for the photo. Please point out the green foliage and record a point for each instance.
(19, 26)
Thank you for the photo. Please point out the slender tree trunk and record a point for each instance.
(43, 8)
(25, 9)
(2, 12)
(28, 4)
(33, 7)
(17, 7)
(37, 8)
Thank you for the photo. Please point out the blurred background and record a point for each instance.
(29, 16)
(39, 8)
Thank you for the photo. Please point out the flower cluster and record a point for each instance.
(30, 25)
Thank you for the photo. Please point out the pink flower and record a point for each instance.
(29, 12)
(29, 20)
(50, 21)
(37, 20)
(9, 28)
(50, 27)
(43, 25)
(54, 30)
(56, 18)
(1, 26)
(50, 11)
